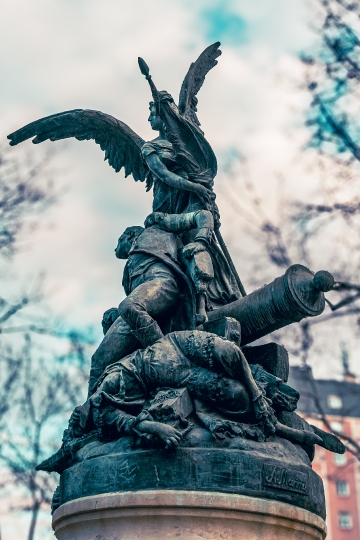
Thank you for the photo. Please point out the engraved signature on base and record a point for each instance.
(282, 478)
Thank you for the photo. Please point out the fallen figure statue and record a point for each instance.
(231, 398)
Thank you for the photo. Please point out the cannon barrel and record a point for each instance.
(288, 299)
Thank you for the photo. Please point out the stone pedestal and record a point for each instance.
(275, 470)
(183, 515)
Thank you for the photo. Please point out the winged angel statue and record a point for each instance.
(179, 165)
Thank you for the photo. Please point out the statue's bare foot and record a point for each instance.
(261, 407)
(201, 315)
(200, 319)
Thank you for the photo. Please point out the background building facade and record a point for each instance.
(339, 403)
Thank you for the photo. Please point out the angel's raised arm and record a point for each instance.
(121, 144)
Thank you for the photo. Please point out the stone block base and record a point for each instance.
(183, 515)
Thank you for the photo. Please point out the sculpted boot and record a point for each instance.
(147, 335)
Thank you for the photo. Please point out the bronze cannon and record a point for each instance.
(297, 294)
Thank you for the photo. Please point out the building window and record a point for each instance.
(336, 427)
(342, 488)
(345, 520)
(334, 402)
(340, 460)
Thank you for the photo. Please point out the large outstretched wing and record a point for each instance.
(121, 144)
(194, 80)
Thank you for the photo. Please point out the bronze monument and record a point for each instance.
(176, 392)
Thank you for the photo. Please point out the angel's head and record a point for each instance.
(126, 240)
(155, 121)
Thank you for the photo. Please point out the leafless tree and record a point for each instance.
(43, 392)
(43, 364)
(26, 189)
(322, 230)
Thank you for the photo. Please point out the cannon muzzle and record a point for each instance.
(288, 299)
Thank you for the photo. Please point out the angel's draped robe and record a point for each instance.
(223, 289)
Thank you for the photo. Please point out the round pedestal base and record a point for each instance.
(276, 469)
(183, 515)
